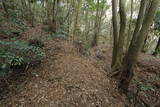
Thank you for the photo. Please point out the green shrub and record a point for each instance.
(18, 54)
(157, 20)
(12, 25)
(35, 42)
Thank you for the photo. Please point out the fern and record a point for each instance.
(18, 53)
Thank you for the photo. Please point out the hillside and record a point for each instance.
(79, 53)
(66, 78)
(71, 77)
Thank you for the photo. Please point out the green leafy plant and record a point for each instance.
(143, 87)
(18, 53)
(36, 42)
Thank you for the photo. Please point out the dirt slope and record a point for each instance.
(144, 90)
(67, 79)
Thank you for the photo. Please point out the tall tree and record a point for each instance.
(115, 31)
(96, 26)
(119, 35)
(31, 14)
(122, 32)
(130, 25)
(87, 25)
(119, 40)
(130, 58)
(98, 18)
(76, 19)
(139, 21)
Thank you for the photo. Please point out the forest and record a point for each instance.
(79, 53)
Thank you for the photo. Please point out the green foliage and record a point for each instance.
(12, 22)
(9, 33)
(157, 20)
(35, 42)
(93, 5)
(143, 87)
(18, 53)
(11, 29)
(146, 88)
(61, 35)
(54, 79)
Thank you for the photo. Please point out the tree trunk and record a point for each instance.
(31, 18)
(96, 27)
(122, 32)
(76, 20)
(139, 21)
(130, 25)
(51, 11)
(87, 27)
(58, 15)
(131, 57)
(5, 8)
(23, 2)
(115, 31)
(111, 34)
(157, 50)
(70, 22)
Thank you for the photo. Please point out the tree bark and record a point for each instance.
(122, 32)
(115, 31)
(76, 20)
(97, 26)
(31, 18)
(130, 59)
(87, 27)
(130, 25)
(157, 50)
(139, 21)
(51, 16)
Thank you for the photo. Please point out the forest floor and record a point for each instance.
(68, 77)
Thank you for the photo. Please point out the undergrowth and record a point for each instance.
(18, 54)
